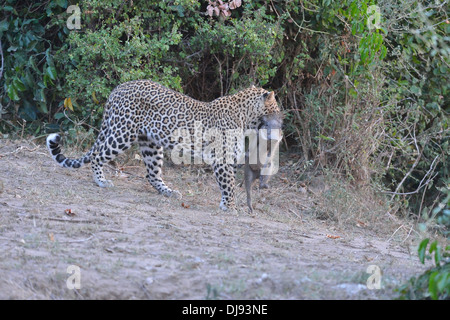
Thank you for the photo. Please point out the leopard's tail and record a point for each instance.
(53, 146)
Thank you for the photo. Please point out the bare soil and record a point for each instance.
(132, 243)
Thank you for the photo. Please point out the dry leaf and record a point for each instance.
(223, 6)
(51, 236)
(69, 212)
(95, 98)
(235, 3)
(210, 10)
(68, 104)
(360, 224)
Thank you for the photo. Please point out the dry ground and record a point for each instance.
(131, 243)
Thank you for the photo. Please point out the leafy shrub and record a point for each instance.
(240, 52)
(416, 93)
(118, 44)
(433, 283)
(31, 79)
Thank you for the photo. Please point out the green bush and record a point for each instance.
(416, 94)
(116, 44)
(435, 282)
(31, 80)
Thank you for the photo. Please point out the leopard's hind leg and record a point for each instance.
(153, 159)
(109, 144)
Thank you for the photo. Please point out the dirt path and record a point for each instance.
(131, 243)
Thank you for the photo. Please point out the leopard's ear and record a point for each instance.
(269, 96)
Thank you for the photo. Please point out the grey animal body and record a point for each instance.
(262, 169)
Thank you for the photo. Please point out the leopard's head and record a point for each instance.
(270, 104)
(264, 103)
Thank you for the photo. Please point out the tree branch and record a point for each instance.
(1, 53)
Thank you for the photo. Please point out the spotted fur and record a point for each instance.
(147, 113)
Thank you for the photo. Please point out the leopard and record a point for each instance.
(148, 114)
